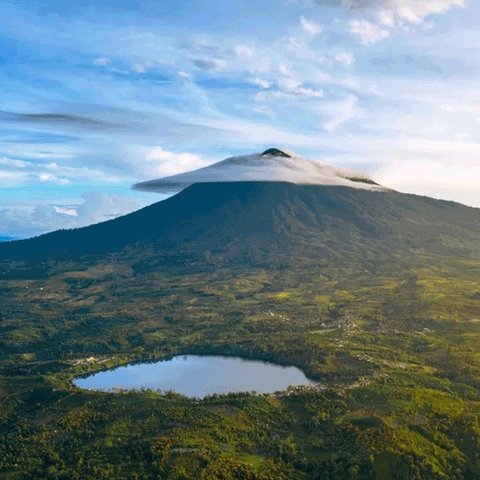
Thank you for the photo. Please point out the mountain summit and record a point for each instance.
(273, 165)
(275, 152)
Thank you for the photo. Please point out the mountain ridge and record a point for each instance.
(233, 218)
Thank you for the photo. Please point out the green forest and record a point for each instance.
(397, 360)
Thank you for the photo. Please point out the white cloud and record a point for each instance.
(390, 15)
(261, 82)
(158, 161)
(49, 178)
(345, 58)
(14, 172)
(308, 92)
(390, 11)
(101, 62)
(310, 27)
(13, 163)
(97, 207)
(343, 112)
(140, 67)
(71, 212)
(258, 167)
(368, 32)
(414, 11)
(243, 50)
(40, 218)
(291, 86)
(386, 18)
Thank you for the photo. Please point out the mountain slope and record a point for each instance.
(234, 219)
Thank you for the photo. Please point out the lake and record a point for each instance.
(198, 376)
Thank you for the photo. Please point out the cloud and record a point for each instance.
(368, 32)
(57, 118)
(290, 86)
(412, 11)
(243, 50)
(97, 207)
(158, 161)
(210, 63)
(16, 172)
(49, 178)
(261, 82)
(141, 67)
(101, 61)
(389, 15)
(310, 27)
(339, 111)
(272, 165)
(286, 83)
(13, 163)
(345, 58)
(41, 218)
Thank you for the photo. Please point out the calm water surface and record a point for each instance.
(198, 376)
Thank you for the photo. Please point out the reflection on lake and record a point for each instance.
(198, 376)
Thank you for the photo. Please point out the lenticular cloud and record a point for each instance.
(273, 165)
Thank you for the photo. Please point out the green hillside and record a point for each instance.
(374, 294)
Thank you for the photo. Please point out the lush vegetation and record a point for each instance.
(380, 304)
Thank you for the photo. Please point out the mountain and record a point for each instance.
(270, 223)
(241, 211)
(373, 293)
(6, 239)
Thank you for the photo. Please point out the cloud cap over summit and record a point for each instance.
(273, 165)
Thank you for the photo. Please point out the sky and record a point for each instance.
(101, 94)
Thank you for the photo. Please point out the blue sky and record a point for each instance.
(100, 95)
